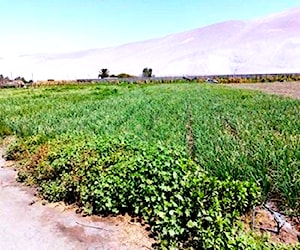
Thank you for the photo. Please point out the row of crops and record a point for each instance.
(188, 158)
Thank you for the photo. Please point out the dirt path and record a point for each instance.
(288, 89)
(25, 223)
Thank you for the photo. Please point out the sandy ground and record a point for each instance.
(28, 223)
(288, 89)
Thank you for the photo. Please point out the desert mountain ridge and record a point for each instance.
(264, 45)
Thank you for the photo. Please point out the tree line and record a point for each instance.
(4, 79)
(104, 73)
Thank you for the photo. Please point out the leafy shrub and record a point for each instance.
(183, 205)
(125, 75)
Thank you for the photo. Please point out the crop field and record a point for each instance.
(189, 158)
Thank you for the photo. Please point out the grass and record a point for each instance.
(237, 134)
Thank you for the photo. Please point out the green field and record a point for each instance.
(164, 152)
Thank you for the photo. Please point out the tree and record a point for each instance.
(103, 73)
(19, 78)
(147, 72)
(4, 79)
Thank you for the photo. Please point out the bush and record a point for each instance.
(125, 75)
(183, 205)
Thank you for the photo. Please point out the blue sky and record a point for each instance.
(35, 26)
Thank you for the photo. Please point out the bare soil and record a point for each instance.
(287, 89)
(263, 221)
(26, 222)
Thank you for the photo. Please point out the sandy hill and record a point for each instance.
(266, 45)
